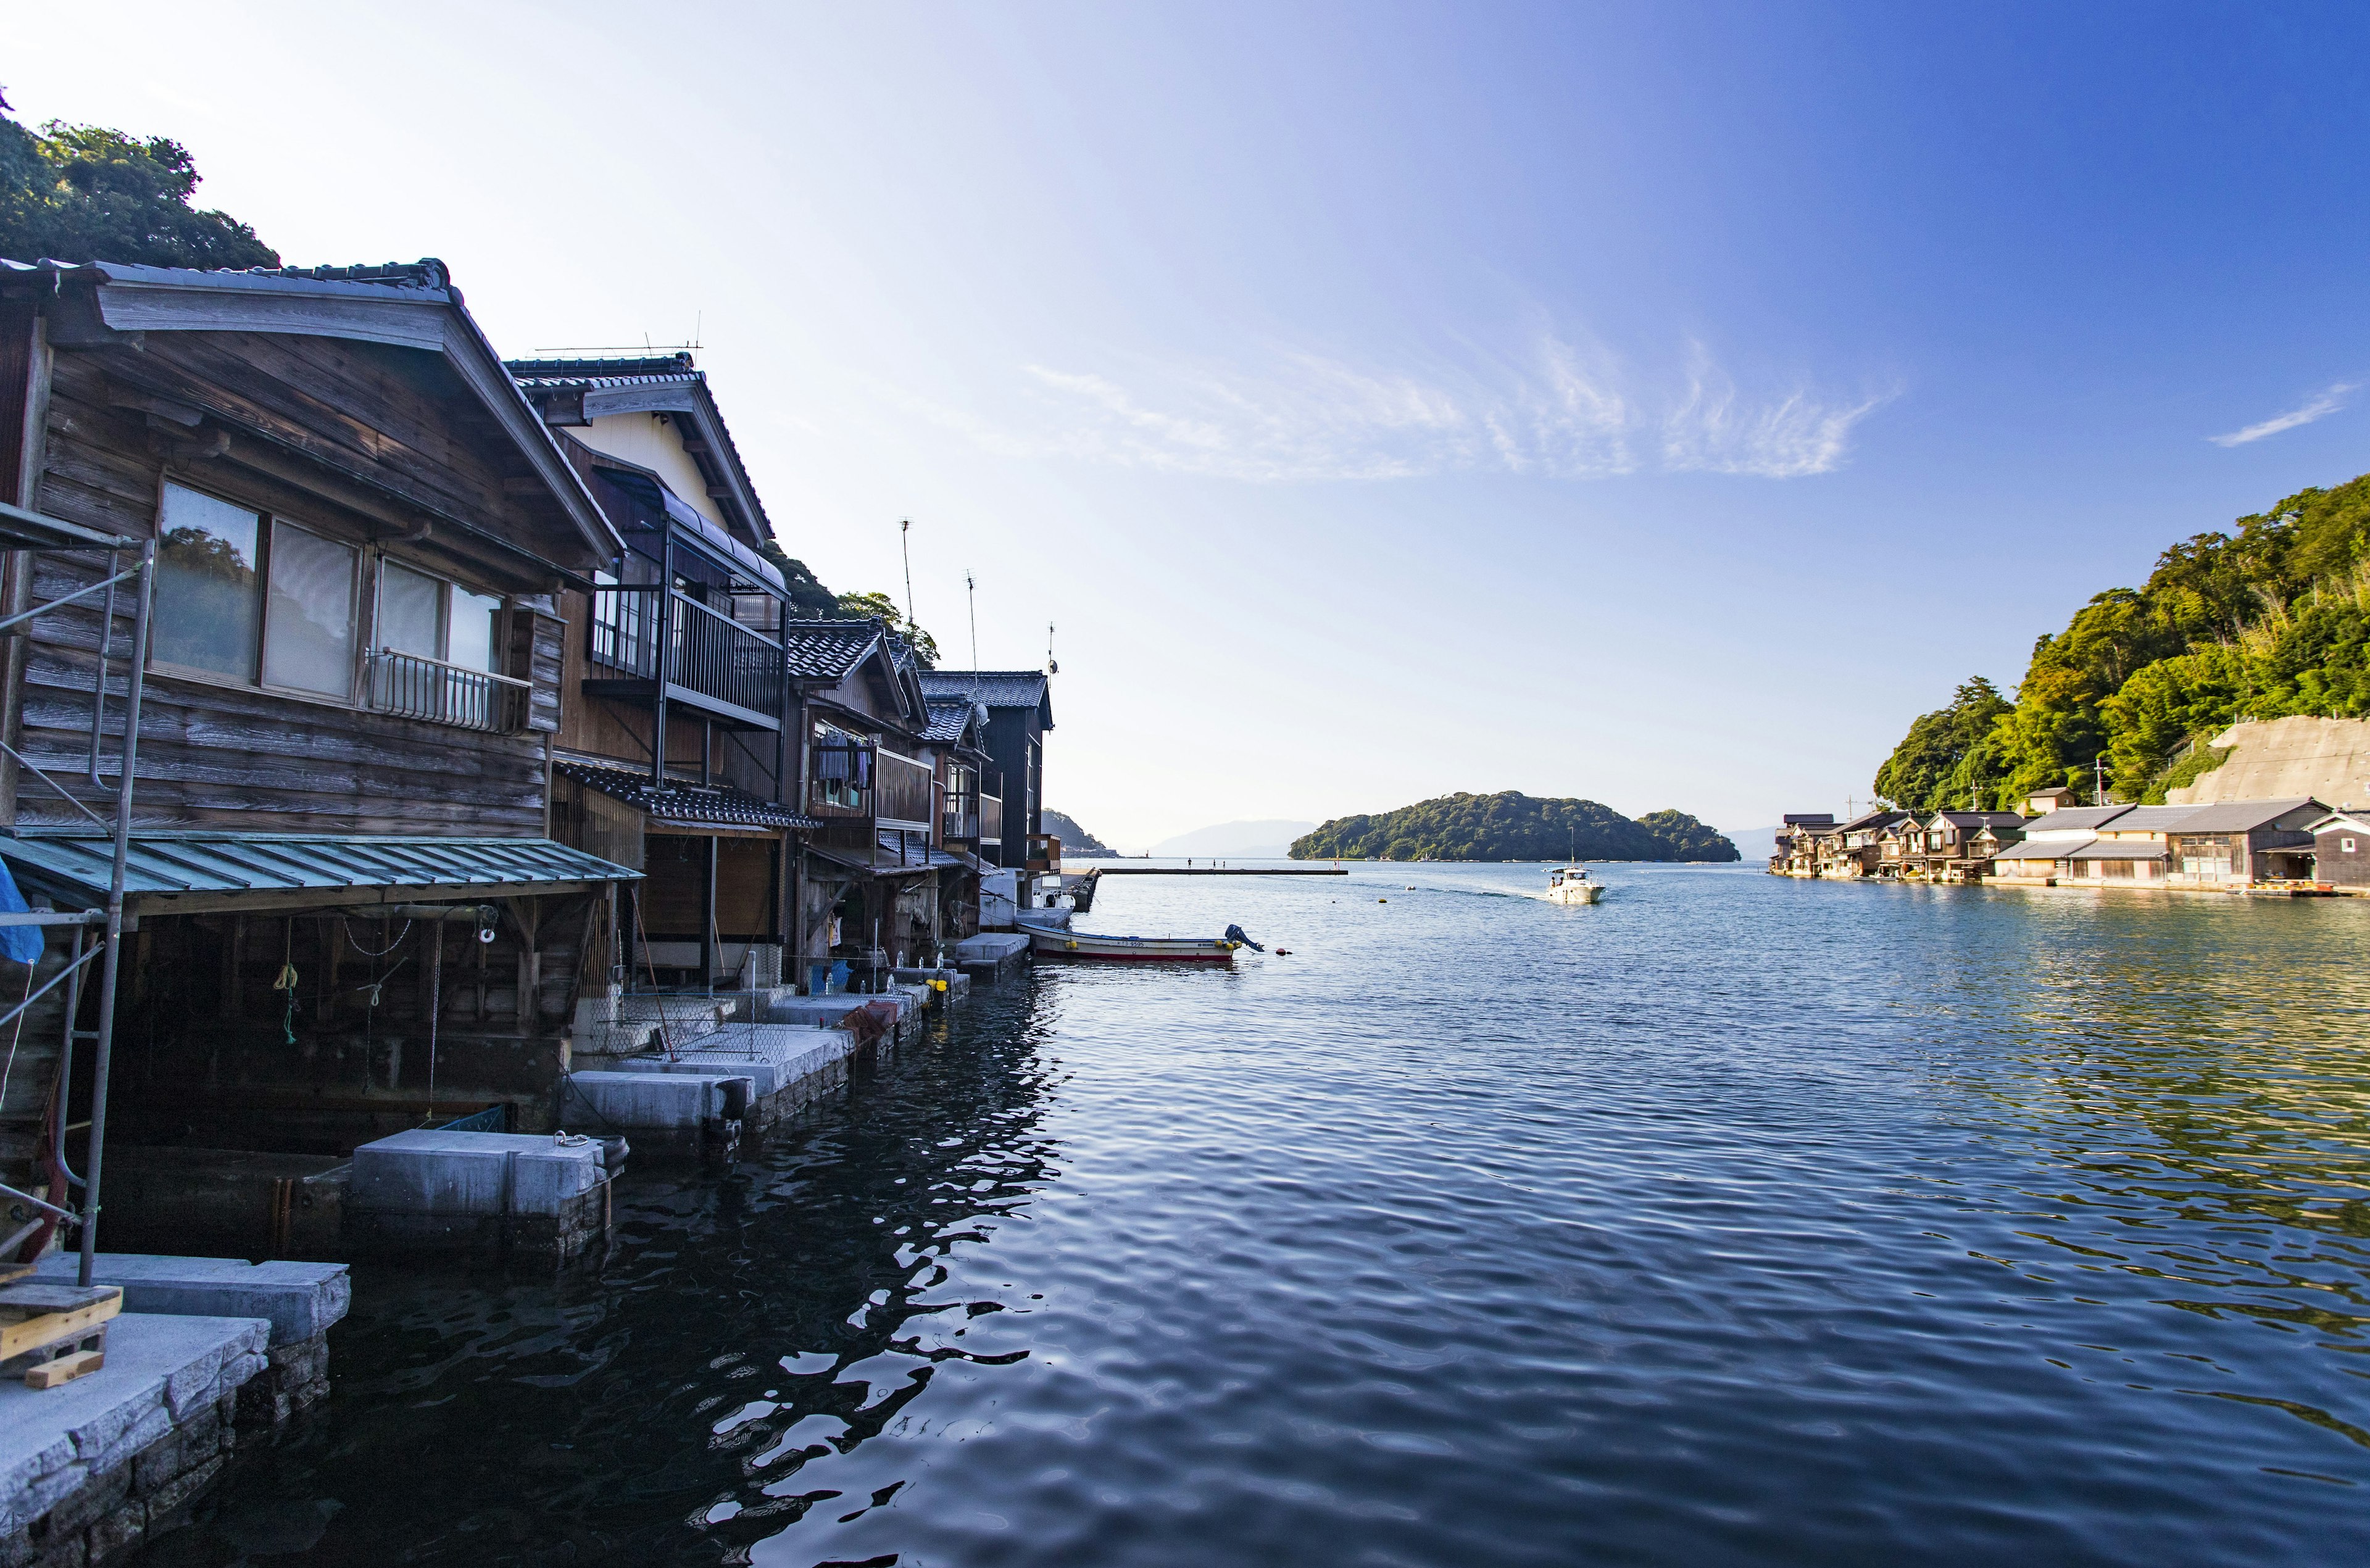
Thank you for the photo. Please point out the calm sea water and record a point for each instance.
(1732, 1220)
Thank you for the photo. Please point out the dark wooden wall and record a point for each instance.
(223, 755)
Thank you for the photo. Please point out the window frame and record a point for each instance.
(371, 559)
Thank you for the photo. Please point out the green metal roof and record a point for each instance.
(169, 871)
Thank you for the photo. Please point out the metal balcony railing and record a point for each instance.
(709, 653)
(412, 686)
(718, 657)
(959, 824)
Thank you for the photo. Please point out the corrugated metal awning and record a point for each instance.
(190, 872)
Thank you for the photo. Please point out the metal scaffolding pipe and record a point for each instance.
(143, 597)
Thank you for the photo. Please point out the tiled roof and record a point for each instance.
(996, 688)
(949, 717)
(2047, 849)
(2238, 816)
(719, 806)
(825, 650)
(2150, 818)
(572, 374)
(1982, 819)
(2068, 818)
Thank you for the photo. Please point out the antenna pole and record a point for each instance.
(905, 548)
(971, 596)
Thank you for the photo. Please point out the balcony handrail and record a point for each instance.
(733, 621)
(437, 690)
(462, 669)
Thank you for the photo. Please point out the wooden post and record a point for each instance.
(708, 954)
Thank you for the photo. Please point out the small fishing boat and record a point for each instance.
(1570, 884)
(1047, 943)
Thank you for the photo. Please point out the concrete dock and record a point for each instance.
(89, 1469)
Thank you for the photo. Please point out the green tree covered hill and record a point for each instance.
(84, 193)
(1077, 842)
(2266, 622)
(1512, 826)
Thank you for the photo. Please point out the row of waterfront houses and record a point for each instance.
(2273, 845)
(431, 634)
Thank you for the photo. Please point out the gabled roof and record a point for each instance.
(2047, 849)
(571, 391)
(996, 689)
(2149, 818)
(1867, 819)
(2242, 816)
(703, 806)
(2343, 817)
(402, 304)
(827, 650)
(1981, 818)
(1810, 820)
(2073, 819)
(950, 720)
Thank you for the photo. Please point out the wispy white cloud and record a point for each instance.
(1565, 409)
(2318, 407)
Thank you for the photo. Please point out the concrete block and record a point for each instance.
(57, 1442)
(775, 1056)
(431, 1172)
(640, 1102)
(300, 1300)
(813, 1012)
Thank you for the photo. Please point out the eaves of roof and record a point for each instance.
(406, 306)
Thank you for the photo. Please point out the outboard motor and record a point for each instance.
(1235, 934)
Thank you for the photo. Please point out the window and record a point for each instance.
(430, 618)
(2345, 846)
(208, 564)
(251, 603)
(308, 624)
(437, 646)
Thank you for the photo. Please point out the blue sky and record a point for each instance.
(1656, 403)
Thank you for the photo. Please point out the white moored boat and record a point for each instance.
(1050, 943)
(1570, 884)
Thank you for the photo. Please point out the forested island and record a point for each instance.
(2266, 622)
(1077, 842)
(1512, 826)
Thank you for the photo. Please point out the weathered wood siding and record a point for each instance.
(226, 756)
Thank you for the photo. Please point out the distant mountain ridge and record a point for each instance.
(1510, 825)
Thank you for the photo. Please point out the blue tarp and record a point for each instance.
(21, 942)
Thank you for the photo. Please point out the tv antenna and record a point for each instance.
(1052, 668)
(905, 548)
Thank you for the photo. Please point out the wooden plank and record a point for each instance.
(34, 1333)
(29, 1298)
(66, 1369)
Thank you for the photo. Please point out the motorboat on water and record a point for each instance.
(1048, 943)
(1571, 885)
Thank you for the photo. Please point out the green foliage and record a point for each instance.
(1686, 838)
(1511, 825)
(808, 595)
(1947, 758)
(85, 193)
(1077, 842)
(2269, 621)
(881, 607)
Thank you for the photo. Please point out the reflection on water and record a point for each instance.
(1731, 1220)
